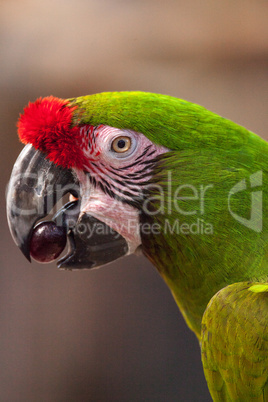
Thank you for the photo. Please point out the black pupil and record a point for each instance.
(121, 144)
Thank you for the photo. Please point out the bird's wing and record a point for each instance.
(234, 343)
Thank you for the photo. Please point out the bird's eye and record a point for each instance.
(121, 144)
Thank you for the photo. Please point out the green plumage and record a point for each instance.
(174, 123)
(221, 231)
(235, 344)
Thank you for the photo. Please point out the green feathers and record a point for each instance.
(208, 247)
(235, 344)
(171, 122)
(209, 198)
(259, 288)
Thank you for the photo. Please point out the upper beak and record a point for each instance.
(35, 187)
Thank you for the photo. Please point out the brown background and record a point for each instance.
(113, 334)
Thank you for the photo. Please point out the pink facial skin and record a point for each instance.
(111, 179)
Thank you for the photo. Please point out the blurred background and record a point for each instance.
(113, 334)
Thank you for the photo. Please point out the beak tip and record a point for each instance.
(25, 251)
(28, 257)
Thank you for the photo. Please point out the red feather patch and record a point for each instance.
(47, 125)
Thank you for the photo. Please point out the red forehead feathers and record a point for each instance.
(47, 125)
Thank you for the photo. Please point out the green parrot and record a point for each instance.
(185, 186)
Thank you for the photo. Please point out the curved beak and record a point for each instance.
(36, 186)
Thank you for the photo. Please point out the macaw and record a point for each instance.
(185, 186)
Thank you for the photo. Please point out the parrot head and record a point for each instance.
(105, 169)
(145, 172)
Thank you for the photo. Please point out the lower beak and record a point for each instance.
(36, 186)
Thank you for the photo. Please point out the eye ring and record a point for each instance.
(121, 144)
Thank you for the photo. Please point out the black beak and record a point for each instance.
(35, 187)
